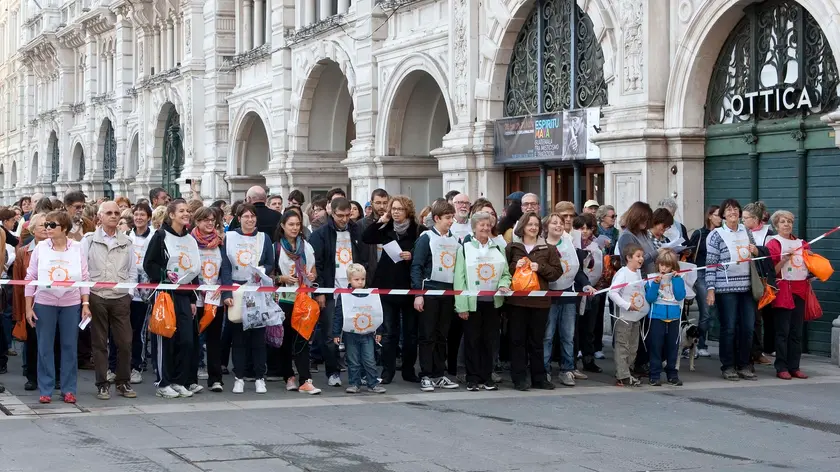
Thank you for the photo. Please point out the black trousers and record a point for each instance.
(788, 331)
(213, 341)
(31, 347)
(481, 330)
(433, 329)
(248, 344)
(527, 331)
(453, 342)
(399, 317)
(177, 357)
(598, 341)
(295, 349)
(763, 341)
(84, 349)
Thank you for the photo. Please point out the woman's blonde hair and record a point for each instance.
(158, 215)
(668, 257)
(356, 269)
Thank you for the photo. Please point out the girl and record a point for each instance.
(633, 307)
(665, 294)
(593, 267)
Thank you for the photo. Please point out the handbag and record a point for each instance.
(818, 265)
(758, 284)
(813, 310)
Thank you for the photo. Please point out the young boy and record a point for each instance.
(632, 307)
(433, 268)
(358, 317)
(593, 267)
(664, 295)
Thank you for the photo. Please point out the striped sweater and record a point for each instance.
(718, 278)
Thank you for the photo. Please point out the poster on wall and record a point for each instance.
(546, 137)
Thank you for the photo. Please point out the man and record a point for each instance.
(450, 195)
(591, 207)
(461, 227)
(110, 258)
(333, 194)
(379, 204)
(296, 199)
(74, 202)
(275, 202)
(677, 230)
(267, 219)
(337, 244)
(531, 202)
(158, 197)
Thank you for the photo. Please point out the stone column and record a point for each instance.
(259, 23)
(309, 11)
(156, 50)
(170, 45)
(343, 6)
(103, 72)
(247, 25)
(325, 10)
(178, 40)
(109, 72)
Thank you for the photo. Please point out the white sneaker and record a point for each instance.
(238, 386)
(291, 385)
(703, 353)
(195, 388)
(182, 392)
(444, 382)
(202, 374)
(166, 392)
(334, 381)
(567, 379)
(260, 385)
(426, 385)
(216, 387)
(136, 377)
(600, 355)
(579, 375)
(110, 376)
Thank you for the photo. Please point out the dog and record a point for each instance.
(689, 336)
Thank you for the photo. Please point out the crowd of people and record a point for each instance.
(438, 342)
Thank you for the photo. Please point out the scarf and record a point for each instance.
(298, 255)
(401, 228)
(209, 241)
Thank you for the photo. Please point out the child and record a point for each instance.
(359, 317)
(632, 307)
(665, 294)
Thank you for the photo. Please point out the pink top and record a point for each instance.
(73, 296)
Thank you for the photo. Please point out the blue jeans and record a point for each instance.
(737, 322)
(664, 339)
(359, 354)
(706, 311)
(561, 318)
(67, 320)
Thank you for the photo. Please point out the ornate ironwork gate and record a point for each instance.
(55, 160)
(556, 56)
(173, 153)
(109, 160)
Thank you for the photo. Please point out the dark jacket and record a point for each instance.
(421, 265)
(156, 259)
(267, 220)
(550, 269)
(338, 317)
(266, 256)
(697, 244)
(371, 249)
(323, 243)
(225, 272)
(390, 274)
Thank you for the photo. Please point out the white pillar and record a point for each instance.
(156, 50)
(170, 45)
(259, 23)
(109, 73)
(325, 10)
(177, 43)
(247, 26)
(343, 6)
(310, 12)
(103, 66)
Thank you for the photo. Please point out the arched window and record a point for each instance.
(173, 153)
(109, 157)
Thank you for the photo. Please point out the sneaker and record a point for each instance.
(69, 398)
(472, 387)
(746, 374)
(166, 392)
(195, 388)
(11, 352)
(352, 389)
(763, 360)
(334, 381)
(202, 374)
(260, 386)
(291, 385)
(490, 386)
(182, 392)
(580, 375)
(377, 389)
(273, 378)
(238, 385)
(543, 385)
(703, 353)
(729, 374)
(136, 377)
(307, 387)
(567, 379)
(110, 376)
(656, 382)
(217, 387)
(426, 385)
(676, 382)
(104, 393)
(548, 376)
(496, 377)
(798, 374)
(600, 355)
(126, 391)
(44, 399)
(445, 383)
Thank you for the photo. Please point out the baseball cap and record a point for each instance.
(516, 196)
(591, 203)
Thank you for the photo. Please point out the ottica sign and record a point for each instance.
(771, 100)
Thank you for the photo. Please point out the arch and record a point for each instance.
(13, 178)
(704, 37)
(132, 164)
(502, 30)
(326, 106)
(252, 148)
(33, 170)
(169, 140)
(107, 153)
(418, 116)
(77, 164)
(55, 157)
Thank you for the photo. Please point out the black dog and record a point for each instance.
(689, 336)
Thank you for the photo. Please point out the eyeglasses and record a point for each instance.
(111, 213)
(51, 225)
(530, 204)
(461, 203)
(397, 209)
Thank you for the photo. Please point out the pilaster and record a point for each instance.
(466, 162)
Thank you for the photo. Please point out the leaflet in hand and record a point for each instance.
(83, 324)
(260, 275)
(393, 250)
(676, 245)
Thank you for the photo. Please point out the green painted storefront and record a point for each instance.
(787, 158)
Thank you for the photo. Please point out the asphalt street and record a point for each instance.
(708, 424)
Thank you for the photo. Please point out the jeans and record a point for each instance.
(66, 319)
(706, 311)
(737, 320)
(527, 330)
(324, 339)
(31, 350)
(789, 335)
(393, 306)
(561, 318)
(434, 327)
(359, 354)
(664, 339)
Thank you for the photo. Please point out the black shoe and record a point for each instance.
(641, 370)
(225, 370)
(4, 369)
(472, 387)
(410, 379)
(592, 367)
(2, 388)
(656, 383)
(387, 378)
(522, 387)
(57, 385)
(30, 386)
(676, 382)
(544, 385)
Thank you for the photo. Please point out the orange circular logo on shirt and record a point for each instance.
(363, 321)
(447, 260)
(59, 274)
(637, 301)
(344, 255)
(209, 270)
(486, 272)
(244, 257)
(184, 261)
(743, 253)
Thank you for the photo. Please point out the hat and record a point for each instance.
(591, 203)
(516, 196)
(367, 205)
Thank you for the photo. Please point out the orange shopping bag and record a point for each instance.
(525, 279)
(162, 321)
(207, 317)
(305, 315)
(818, 265)
(19, 331)
(768, 296)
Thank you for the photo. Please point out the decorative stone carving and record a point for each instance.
(140, 47)
(632, 17)
(685, 10)
(459, 50)
(188, 35)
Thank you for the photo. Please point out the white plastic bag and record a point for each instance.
(260, 310)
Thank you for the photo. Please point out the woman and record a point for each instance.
(295, 264)
(512, 214)
(484, 205)
(58, 258)
(318, 214)
(753, 218)
(356, 211)
(728, 287)
(789, 306)
(397, 224)
(172, 257)
(563, 310)
(140, 236)
(697, 243)
(660, 225)
(8, 220)
(607, 227)
(529, 315)
(215, 270)
(480, 265)
(123, 202)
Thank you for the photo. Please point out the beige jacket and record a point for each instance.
(110, 264)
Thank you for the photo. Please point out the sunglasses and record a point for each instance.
(51, 225)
